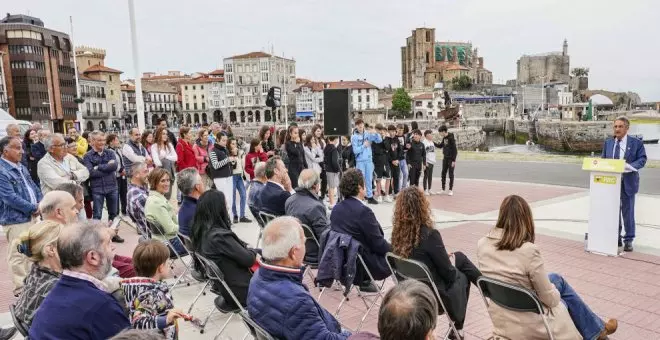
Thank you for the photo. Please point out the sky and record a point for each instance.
(358, 39)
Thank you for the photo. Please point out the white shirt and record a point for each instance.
(430, 151)
(622, 146)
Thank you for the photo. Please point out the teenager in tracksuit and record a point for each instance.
(381, 166)
(449, 152)
(361, 142)
(394, 154)
(221, 168)
(416, 158)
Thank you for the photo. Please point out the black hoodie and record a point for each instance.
(331, 158)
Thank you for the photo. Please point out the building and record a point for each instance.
(128, 106)
(39, 78)
(248, 77)
(94, 108)
(544, 68)
(4, 101)
(425, 61)
(309, 97)
(160, 101)
(217, 101)
(194, 100)
(91, 64)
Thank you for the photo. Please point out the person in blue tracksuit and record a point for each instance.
(361, 143)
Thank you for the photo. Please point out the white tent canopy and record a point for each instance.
(4, 115)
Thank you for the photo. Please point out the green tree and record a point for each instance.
(580, 72)
(461, 83)
(401, 102)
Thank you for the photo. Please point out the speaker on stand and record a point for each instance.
(336, 112)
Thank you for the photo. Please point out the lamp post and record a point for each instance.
(139, 101)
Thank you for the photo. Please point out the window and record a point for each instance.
(264, 66)
(100, 108)
(187, 106)
(359, 99)
(231, 101)
(112, 92)
(230, 90)
(229, 68)
(202, 97)
(201, 87)
(264, 88)
(88, 108)
(195, 106)
(229, 78)
(239, 69)
(110, 77)
(185, 87)
(242, 101)
(203, 106)
(359, 90)
(368, 98)
(256, 101)
(114, 110)
(264, 76)
(240, 79)
(194, 87)
(418, 103)
(94, 107)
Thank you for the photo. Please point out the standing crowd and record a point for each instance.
(54, 190)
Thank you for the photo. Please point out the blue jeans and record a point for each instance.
(403, 180)
(586, 321)
(367, 170)
(111, 200)
(240, 186)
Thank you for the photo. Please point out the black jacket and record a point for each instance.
(273, 199)
(403, 140)
(379, 152)
(233, 258)
(219, 164)
(394, 149)
(347, 157)
(448, 145)
(416, 153)
(296, 155)
(309, 209)
(331, 158)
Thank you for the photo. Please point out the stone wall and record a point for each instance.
(562, 136)
(480, 110)
(488, 124)
(469, 138)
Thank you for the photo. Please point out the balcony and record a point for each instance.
(96, 115)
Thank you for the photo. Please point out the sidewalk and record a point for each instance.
(627, 287)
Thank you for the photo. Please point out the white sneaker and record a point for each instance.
(388, 199)
(426, 192)
(451, 193)
(442, 192)
(379, 199)
(432, 192)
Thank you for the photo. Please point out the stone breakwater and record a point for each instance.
(561, 136)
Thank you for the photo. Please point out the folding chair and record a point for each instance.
(156, 228)
(257, 332)
(513, 298)
(214, 274)
(187, 243)
(20, 326)
(255, 214)
(406, 269)
(347, 291)
(309, 235)
(265, 219)
(144, 233)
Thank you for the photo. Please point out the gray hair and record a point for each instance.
(95, 133)
(260, 170)
(53, 200)
(43, 133)
(624, 119)
(72, 188)
(79, 239)
(139, 334)
(280, 235)
(11, 127)
(137, 166)
(308, 178)
(408, 311)
(187, 179)
(50, 139)
(271, 165)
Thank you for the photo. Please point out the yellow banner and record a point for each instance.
(605, 179)
(604, 164)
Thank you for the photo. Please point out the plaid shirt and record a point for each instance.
(137, 199)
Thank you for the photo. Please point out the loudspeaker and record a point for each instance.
(336, 112)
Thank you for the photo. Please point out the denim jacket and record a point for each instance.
(15, 205)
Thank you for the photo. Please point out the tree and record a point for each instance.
(580, 72)
(401, 102)
(461, 83)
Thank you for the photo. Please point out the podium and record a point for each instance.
(604, 214)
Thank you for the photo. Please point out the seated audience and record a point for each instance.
(277, 189)
(255, 186)
(192, 186)
(138, 334)
(77, 192)
(138, 191)
(352, 217)
(160, 212)
(39, 244)
(213, 238)
(309, 209)
(508, 254)
(278, 300)
(413, 237)
(408, 311)
(147, 295)
(78, 306)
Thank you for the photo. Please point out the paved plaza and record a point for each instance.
(626, 288)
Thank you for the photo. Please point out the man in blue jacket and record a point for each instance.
(361, 143)
(19, 199)
(277, 299)
(631, 149)
(102, 166)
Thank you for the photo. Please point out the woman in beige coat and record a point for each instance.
(508, 254)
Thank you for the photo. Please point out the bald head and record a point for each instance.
(310, 180)
(58, 206)
(13, 131)
(408, 311)
(283, 242)
(260, 171)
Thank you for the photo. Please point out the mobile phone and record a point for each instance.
(115, 224)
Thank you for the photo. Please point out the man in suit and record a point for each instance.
(631, 149)
(278, 188)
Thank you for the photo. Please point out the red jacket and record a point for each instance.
(185, 156)
(251, 160)
(202, 158)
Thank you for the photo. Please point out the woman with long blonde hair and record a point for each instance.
(413, 237)
(508, 254)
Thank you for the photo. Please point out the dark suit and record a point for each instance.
(635, 155)
(273, 198)
(352, 217)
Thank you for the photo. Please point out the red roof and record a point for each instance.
(101, 68)
(162, 77)
(217, 72)
(424, 96)
(252, 55)
(203, 80)
(353, 84)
